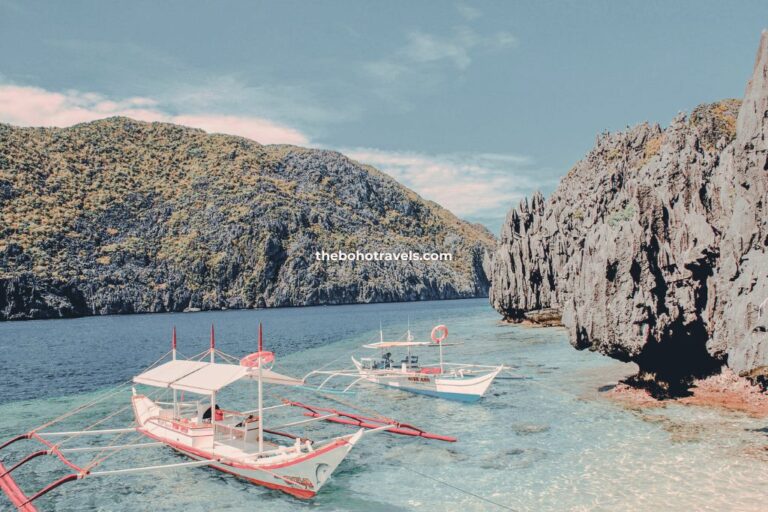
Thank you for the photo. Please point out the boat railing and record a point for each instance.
(479, 366)
(222, 431)
(235, 425)
(235, 414)
(329, 377)
(180, 404)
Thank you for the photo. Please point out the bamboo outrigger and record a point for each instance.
(235, 442)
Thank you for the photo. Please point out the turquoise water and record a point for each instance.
(549, 442)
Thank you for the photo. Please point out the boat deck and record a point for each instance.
(236, 449)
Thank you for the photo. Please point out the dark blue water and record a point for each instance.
(44, 358)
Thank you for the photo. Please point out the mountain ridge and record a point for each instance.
(123, 216)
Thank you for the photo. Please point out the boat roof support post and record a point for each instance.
(213, 416)
(173, 356)
(173, 343)
(213, 345)
(261, 404)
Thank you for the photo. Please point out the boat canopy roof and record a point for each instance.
(164, 375)
(206, 378)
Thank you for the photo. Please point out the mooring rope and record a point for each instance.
(457, 488)
(94, 424)
(107, 394)
(95, 461)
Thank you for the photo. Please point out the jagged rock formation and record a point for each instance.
(121, 216)
(654, 247)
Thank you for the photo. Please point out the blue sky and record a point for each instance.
(472, 104)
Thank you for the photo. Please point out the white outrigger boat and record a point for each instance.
(235, 442)
(453, 381)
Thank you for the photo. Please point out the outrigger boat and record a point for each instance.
(235, 442)
(453, 381)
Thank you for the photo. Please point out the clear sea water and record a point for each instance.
(549, 442)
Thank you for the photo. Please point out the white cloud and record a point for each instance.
(470, 186)
(34, 106)
(468, 12)
(456, 49)
(424, 58)
(423, 47)
(292, 104)
(474, 186)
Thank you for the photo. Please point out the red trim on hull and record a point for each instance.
(211, 456)
(293, 491)
(302, 494)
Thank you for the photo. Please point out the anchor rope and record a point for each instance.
(107, 394)
(228, 357)
(457, 488)
(329, 363)
(373, 413)
(95, 462)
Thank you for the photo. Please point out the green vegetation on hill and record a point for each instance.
(119, 216)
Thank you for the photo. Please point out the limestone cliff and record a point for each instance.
(121, 216)
(654, 247)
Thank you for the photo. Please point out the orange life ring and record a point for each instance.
(439, 333)
(258, 358)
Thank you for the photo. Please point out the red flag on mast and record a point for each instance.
(213, 338)
(261, 339)
(173, 338)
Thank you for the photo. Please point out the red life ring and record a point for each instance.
(439, 333)
(258, 358)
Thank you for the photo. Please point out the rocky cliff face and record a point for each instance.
(654, 247)
(120, 216)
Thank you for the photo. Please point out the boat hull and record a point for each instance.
(293, 470)
(302, 479)
(449, 387)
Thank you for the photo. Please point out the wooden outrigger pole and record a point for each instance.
(12, 490)
(368, 422)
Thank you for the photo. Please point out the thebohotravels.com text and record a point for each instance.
(383, 256)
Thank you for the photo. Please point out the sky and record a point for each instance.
(474, 105)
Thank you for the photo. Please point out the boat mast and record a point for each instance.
(173, 355)
(441, 356)
(213, 345)
(261, 408)
(173, 343)
(213, 394)
(409, 337)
